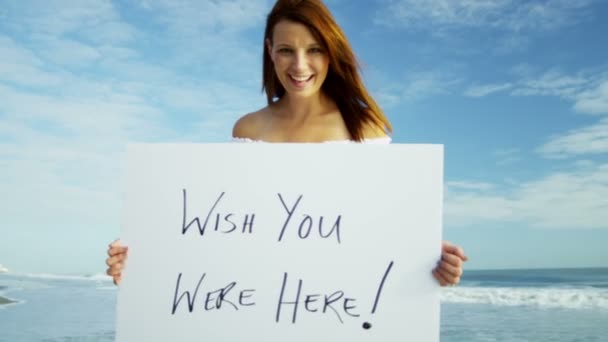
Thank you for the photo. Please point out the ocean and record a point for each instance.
(501, 305)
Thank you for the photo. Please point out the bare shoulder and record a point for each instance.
(250, 125)
(373, 131)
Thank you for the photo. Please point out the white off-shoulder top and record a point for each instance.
(381, 140)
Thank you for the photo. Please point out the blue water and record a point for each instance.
(527, 305)
(506, 305)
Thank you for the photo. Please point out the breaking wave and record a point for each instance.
(542, 297)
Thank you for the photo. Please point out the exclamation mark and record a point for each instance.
(367, 325)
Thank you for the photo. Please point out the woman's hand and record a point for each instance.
(449, 268)
(117, 255)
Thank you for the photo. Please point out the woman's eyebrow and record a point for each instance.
(290, 45)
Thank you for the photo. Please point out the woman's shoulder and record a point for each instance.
(249, 125)
(249, 128)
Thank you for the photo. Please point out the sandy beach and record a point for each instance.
(5, 301)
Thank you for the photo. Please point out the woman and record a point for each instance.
(315, 94)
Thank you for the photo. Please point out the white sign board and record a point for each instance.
(281, 242)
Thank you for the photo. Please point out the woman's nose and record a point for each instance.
(300, 61)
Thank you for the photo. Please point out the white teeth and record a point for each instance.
(300, 78)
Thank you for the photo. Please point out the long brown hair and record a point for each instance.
(343, 83)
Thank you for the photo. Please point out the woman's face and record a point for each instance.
(300, 61)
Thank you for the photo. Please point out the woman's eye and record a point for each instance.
(316, 50)
(284, 51)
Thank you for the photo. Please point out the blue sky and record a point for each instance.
(516, 90)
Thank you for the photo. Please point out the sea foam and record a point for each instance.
(49, 276)
(544, 297)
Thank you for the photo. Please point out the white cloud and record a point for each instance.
(486, 89)
(544, 15)
(92, 20)
(592, 139)
(63, 157)
(68, 52)
(386, 98)
(587, 90)
(507, 156)
(63, 140)
(509, 15)
(440, 12)
(594, 100)
(423, 84)
(188, 18)
(470, 185)
(88, 117)
(21, 66)
(511, 43)
(577, 199)
(462, 209)
(415, 85)
(111, 32)
(63, 185)
(553, 83)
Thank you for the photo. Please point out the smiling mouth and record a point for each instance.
(301, 79)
